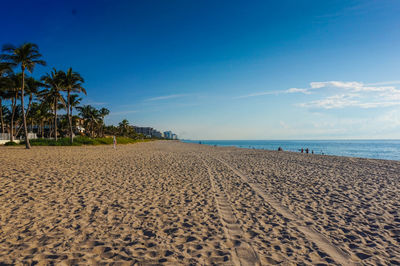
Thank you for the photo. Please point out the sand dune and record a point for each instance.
(172, 203)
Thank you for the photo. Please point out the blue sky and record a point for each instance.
(227, 69)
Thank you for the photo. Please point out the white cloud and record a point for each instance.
(347, 100)
(294, 90)
(284, 125)
(255, 94)
(393, 82)
(166, 97)
(348, 94)
(355, 86)
(96, 103)
(391, 118)
(335, 101)
(291, 90)
(335, 84)
(123, 112)
(368, 96)
(391, 95)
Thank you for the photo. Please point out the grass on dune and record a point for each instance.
(79, 141)
(11, 143)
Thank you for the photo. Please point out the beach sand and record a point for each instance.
(173, 203)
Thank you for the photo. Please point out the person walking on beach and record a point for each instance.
(115, 142)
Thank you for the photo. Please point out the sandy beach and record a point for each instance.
(173, 203)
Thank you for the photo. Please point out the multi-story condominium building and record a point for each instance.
(168, 134)
(147, 131)
(156, 134)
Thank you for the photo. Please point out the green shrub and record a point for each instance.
(79, 141)
(11, 143)
(50, 142)
(84, 141)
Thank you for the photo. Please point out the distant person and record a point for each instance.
(301, 150)
(280, 149)
(306, 150)
(115, 142)
(312, 151)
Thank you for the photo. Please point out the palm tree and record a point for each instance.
(74, 101)
(2, 96)
(54, 82)
(91, 116)
(72, 83)
(12, 86)
(27, 56)
(34, 115)
(4, 81)
(32, 88)
(43, 115)
(103, 112)
(5, 112)
(123, 127)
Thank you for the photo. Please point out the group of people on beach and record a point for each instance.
(306, 150)
(301, 150)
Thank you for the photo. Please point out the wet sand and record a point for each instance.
(173, 203)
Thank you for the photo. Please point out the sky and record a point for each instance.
(226, 69)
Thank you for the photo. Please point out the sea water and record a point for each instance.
(375, 149)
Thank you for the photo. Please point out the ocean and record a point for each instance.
(375, 149)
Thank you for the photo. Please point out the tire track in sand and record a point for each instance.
(320, 240)
(242, 252)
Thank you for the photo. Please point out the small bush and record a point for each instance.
(11, 143)
(79, 141)
(51, 142)
(84, 141)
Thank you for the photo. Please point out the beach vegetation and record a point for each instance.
(11, 143)
(84, 140)
(43, 108)
(26, 56)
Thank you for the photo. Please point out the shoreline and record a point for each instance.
(293, 151)
(169, 202)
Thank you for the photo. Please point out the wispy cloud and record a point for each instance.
(124, 112)
(355, 94)
(353, 86)
(335, 101)
(96, 103)
(291, 90)
(348, 94)
(166, 97)
(393, 82)
(346, 100)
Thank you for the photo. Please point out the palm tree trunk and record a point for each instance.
(1, 116)
(29, 108)
(42, 130)
(70, 118)
(13, 100)
(55, 119)
(27, 144)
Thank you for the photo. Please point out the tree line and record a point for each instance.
(28, 104)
